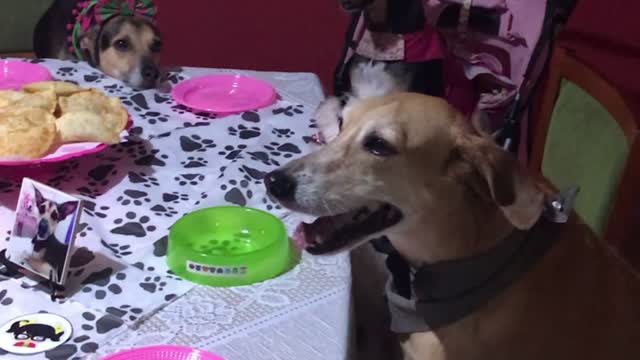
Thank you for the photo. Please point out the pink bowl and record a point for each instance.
(14, 74)
(163, 352)
(225, 93)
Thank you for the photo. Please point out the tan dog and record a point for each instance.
(124, 47)
(408, 166)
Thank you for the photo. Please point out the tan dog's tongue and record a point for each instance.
(299, 238)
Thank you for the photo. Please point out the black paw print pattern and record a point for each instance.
(195, 143)
(162, 210)
(263, 157)
(153, 158)
(131, 149)
(269, 205)
(114, 89)
(125, 312)
(5, 300)
(251, 174)
(136, 101)
(189, 179)
(232, 153)
(188, 124)
(162, 99)
(194, 162)
(283, 133)
(118, 250)
(244, 132)
(83, 230)
(154, 117)
(136, 131)
(66, 71)
(203, 196)
(94, 77)
(180, 109)
(90, 208)
(237, 192)
(143, 267)
(65, 173)
(99, 175)
(290, 110)
(133, 197)
(175, 197)
(203, 115)
(82, 344)
(144, 179)
(250, 116)
(153, 284)
(159, 250)
(102, 283)
(286, 150)
(133, 225)
(101, 325)
(91, 193)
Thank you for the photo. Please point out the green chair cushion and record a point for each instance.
(17, 21)
(585, 146)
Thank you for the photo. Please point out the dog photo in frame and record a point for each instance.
(44, 230)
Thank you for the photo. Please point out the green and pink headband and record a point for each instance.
(92, 12)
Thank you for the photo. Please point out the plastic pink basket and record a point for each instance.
(163, 352)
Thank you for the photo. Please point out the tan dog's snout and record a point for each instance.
(281, 185)
(150, 72)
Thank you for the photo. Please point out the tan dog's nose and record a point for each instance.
(150, 73)
(281, 185)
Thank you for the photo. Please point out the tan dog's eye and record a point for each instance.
(121, 45)
(378, 146)
(156, 46)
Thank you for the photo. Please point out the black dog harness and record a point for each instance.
(442, 293)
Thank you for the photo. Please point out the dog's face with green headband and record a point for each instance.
(120, 38)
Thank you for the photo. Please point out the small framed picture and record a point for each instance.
(44, 230)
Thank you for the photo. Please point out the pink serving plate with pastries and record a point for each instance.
(65, 152)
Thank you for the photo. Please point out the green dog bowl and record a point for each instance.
(228, 246)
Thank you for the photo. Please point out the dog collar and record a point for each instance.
(92, 12)
(442, 293)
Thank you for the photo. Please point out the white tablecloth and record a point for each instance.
(121, 291)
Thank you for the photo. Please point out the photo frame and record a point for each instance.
(44, 231)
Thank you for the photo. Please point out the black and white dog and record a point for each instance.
(49, 253)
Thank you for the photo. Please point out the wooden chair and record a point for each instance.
(588, 135)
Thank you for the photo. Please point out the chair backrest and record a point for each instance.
(587, 135)
(17, 21)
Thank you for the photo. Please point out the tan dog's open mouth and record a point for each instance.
(328, 234)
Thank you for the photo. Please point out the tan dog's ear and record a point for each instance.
(88, 45)
(508, 184)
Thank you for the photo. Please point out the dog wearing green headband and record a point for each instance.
(119, 37)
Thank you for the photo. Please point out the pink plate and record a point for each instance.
(64, 152)
(163, 352)
(224, 93)
(14, 74)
